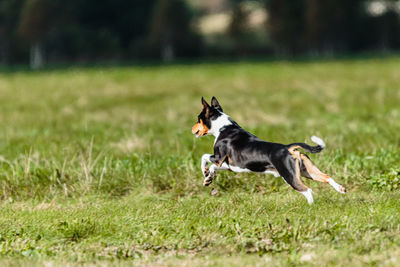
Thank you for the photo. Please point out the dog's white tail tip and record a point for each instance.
(318, 141)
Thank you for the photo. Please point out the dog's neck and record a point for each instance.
(219, 123)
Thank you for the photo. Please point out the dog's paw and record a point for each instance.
(207, 181)
(342, 190)
(336, 186)
(208, 178)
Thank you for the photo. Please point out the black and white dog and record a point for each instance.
(240, 151)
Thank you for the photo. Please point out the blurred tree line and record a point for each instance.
(332, 26)
(95, 30)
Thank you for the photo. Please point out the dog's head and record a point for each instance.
(206, 116)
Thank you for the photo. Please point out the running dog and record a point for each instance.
(240, 151)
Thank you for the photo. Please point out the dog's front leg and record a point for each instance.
(208, 171)
(214, 167)
(205, 160)
(216, 164)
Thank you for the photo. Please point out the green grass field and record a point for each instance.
(98, 165)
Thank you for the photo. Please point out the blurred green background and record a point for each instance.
(93, 31)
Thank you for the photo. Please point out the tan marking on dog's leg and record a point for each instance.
(297, 169)
(293, 149)
(298, 180)
(299, 183)
(222, 161)
(308, 192)
(293, 179)
(311, 171)
(296, 156)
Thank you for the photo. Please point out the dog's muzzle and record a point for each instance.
(199, 129)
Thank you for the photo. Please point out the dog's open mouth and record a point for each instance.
(195, 131)
(199, 134)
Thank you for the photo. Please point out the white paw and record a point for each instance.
(308, 195)
(337, 186)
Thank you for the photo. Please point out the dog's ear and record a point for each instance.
(215, 104)
(205, 104)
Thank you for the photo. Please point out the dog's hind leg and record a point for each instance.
(290, 171)
(309, 170)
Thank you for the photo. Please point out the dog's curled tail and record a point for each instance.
(318, 141)
(312, 149)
